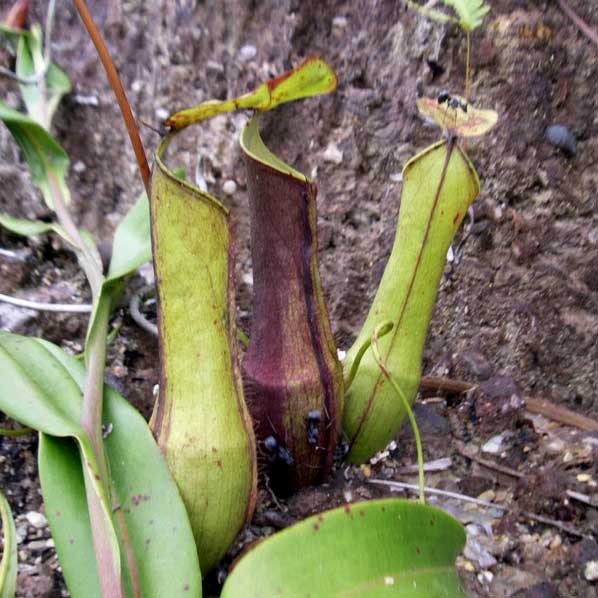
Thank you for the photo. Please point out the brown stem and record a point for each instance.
(446, 384)
(467, 61)
(119, 91)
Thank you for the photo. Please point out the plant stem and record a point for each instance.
(119, 92)
(383, 329)
(467, 69)
(91, 266)
(75, 308)
(95, 357)
(10, 432)
(91, 411)
(406, 406)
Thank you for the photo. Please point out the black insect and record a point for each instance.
(445, 97)
(270, 444)
(283, 454)
(277, 452)
(313, 427)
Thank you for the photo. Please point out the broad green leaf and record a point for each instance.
(200, 420)
(132, 245)
(471, 12)
(38, 391)
(144, 497)
(41, 101)
(472, 123)
(386, 547)
(8, 564)
(313, 76)
(47, 161)
(439, 184)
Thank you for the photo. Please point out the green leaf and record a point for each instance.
(29, 228)
(42, 386)
(38, 391)
(132, 245)
(9, 36)
(8, 564)
(386, 547)
(41, 101)
(144, 496)
(47, 161)
(471, 12)
(312, 77)
(439, 185)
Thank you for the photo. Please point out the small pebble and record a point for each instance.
(162, 114)
(590, 571)
(229, 187)
(560, 136)
(79, 167)
(333, 154)
(36, 519)
(247, 53)
(494, 445)
(86, 100)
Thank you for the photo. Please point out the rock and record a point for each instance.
(247, 52)
(560, 136)
(584, 551)
(36, 581)
(79, 167)
(590, 571)
(509, 582)
(476, 364)
(229, 187)
(495, 445)
(162, 114)
(37, 520)
(539, 590)
(333, 154)
(476, 553)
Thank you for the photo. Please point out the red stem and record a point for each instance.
(119, 91)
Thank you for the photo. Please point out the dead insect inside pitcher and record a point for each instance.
(277, 452)
(314, 418)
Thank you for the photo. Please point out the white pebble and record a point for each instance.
(339, 21)
(79, 167)
(494, 445)
(590, 571)
(333, 154)
(162, 113)
(36, 519)
(229, 187)
(247, 53)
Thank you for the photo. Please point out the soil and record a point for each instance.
(517, 308)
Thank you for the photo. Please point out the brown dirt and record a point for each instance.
(520, 301)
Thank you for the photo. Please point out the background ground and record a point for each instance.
(518, 307)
